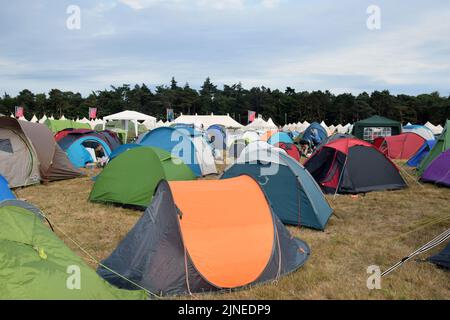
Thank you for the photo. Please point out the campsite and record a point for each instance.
(180, 153)
(313, 222)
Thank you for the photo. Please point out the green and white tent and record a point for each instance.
(132, 177)
(36, 264)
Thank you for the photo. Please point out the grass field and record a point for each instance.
(379, 228)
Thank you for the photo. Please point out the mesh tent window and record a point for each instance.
(6, 146)
(371, 133)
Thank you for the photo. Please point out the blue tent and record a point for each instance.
(5, 192)
(315, 133)
(217, 136)
(182, 143)
(76, 149)
(421, 153)
(292, 192)
(122, 149)
(280, 137)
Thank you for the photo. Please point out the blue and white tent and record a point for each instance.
(187, 145)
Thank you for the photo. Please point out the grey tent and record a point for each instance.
(29, 154)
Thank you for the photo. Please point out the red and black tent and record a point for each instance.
(291, 149)
(353, 166)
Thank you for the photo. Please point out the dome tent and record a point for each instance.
(353, 166)
(291, 149)
(400, 147)
(33, 154)
(131, 178)
(34, 258)
(315, 133)
(185, 243)
(438, 171)
(292, 192)
(187, 145)
(422, 131)
(442, 144)
(415, 160)
(5, 192)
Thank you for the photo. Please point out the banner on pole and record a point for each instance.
(19, 112)
(251, 116)
(92, 113)
(170, 115)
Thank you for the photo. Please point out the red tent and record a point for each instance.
(61, 134)
(401, 147)
(291, 149)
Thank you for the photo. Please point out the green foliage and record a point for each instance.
(288, 106)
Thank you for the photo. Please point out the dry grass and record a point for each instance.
(379, 228)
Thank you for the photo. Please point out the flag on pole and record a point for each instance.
(92, 113)
(251, 116)
(170, 115)
(19, 112)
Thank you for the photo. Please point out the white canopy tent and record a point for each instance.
(43, 119)
(129, 116)
(260, 124)
(209, 120)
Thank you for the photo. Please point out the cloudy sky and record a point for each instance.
(304, 44)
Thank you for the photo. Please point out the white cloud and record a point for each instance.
(404, 56)
(214, 4)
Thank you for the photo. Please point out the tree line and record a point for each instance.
(283, 107)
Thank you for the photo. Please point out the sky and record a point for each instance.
(306, 45)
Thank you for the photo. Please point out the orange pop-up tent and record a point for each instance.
(200, 236)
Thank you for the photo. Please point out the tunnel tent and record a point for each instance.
(400, 147)
(131, 178)
(353, 166)
(442, 144)
(291, 191)
(188, 145)
(371, 128)
(35, 262)
(185, 243)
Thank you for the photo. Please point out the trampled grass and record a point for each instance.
(378, 228)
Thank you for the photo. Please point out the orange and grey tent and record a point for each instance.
(202, 236)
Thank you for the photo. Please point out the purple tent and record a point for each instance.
(439, 170)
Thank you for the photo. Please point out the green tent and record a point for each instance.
(36, 264)
(59, 125)
(370, 128)
(132, 177)
(442, 144)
